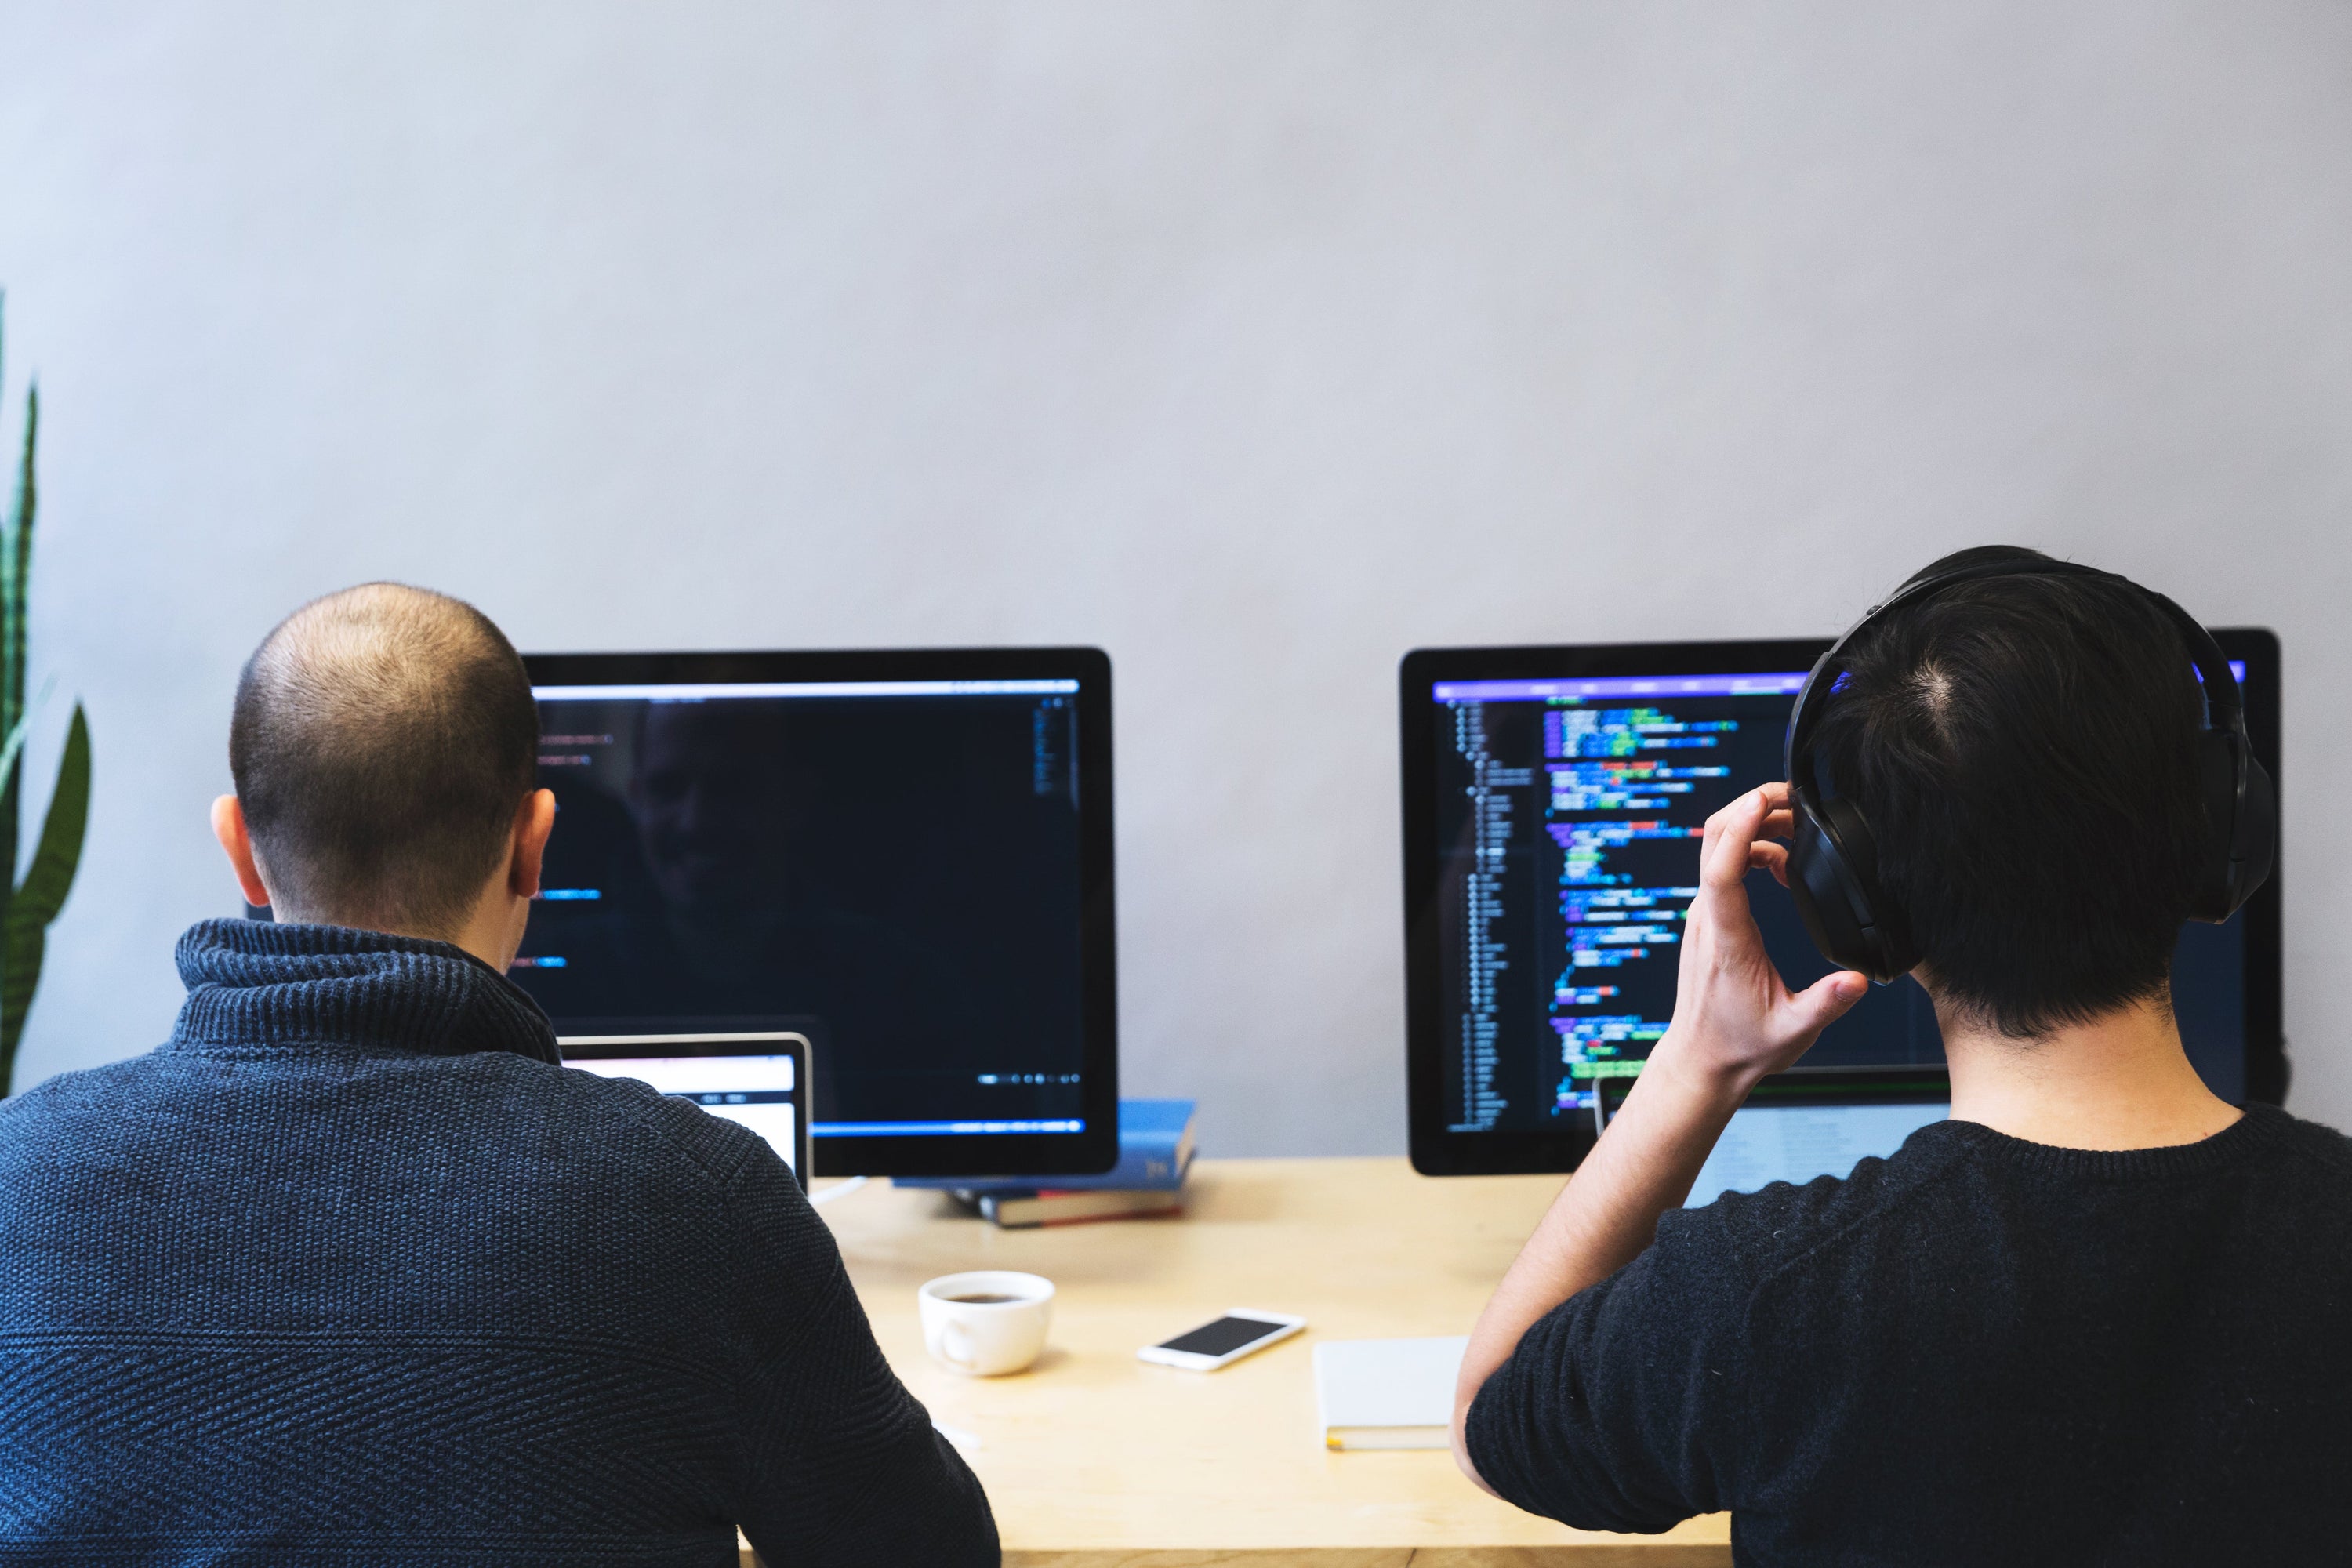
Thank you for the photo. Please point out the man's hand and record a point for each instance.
(1734, 1022)
(1735, 1019)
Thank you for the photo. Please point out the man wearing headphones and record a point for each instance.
(2097, 1316)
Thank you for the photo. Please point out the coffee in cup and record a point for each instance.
(988, 1323)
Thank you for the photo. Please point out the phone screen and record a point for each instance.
(1222, 1337)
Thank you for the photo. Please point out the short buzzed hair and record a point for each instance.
(383, 739)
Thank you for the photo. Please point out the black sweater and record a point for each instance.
(353, 1271)
(1980, 1351)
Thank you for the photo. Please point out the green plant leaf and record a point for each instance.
(15, 747)
(21, 951)
(49, 877)
(16, 570)
(15, 559)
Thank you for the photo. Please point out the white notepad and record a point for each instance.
(1387, 1394)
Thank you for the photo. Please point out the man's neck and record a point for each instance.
(491, 933)
(2120, 1081)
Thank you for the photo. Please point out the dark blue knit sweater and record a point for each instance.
(351, 1271)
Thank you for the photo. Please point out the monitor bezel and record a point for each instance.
(1089, 1153)
(1437, 1152)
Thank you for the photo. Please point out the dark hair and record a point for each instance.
(383, 741)
(2025, 751)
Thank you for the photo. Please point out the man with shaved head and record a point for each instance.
(384, 745)
(353, 1270)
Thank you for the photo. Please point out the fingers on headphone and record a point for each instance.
(1779, 811)
(1731, 834)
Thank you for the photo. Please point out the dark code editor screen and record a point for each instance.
(1569, 815)
(891, 867)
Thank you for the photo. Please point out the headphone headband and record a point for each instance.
(1834, 856)
(2225, 708)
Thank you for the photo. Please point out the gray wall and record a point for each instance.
(1255, 342)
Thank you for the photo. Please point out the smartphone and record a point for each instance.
(1224, 1341)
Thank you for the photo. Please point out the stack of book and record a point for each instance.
(1155, 1155)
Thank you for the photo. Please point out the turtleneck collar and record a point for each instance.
(255, 984)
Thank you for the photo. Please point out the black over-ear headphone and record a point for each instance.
(1833, 860)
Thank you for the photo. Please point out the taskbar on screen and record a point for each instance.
(936, 1129)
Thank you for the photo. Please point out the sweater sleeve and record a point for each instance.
(1606, 1414)
(841, 1467)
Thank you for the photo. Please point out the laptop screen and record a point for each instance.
(761, 1083)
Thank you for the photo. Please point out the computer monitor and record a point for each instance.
(1553, 799)
(904, 856)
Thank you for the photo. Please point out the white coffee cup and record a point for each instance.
(998, 1325)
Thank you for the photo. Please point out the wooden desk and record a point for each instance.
(1093, 1458)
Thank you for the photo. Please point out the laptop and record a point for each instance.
(758, 1077)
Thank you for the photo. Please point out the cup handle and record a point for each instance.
(955, 1344)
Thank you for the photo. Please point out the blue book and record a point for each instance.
(1155, 1150)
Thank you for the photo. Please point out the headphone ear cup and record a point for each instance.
(2243, 829)
(1832, 867)
(2254, 854)
(1816, 886)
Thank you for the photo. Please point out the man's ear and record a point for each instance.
(229, 826)
(534, 820)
